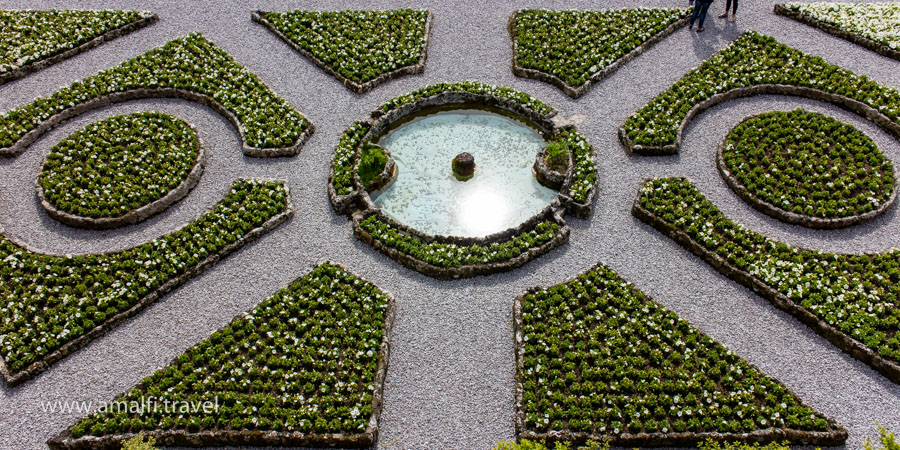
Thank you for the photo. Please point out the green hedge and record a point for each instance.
(602, 359)
(857, 294)
(119, 164)
(879, 22)
(303, 360)
(575, 45)
(359, 45)
(752, 59)
(584, 175)
(344, 154)
(191, 63)
(30, 36)
(452, 255)
(808, 163)
(473, 87)
(51, 300)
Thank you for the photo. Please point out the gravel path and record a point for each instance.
(450, 381)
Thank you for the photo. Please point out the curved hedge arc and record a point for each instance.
(449, 257)
(300, 28)
(57, 186)
(598, 360)
(36, 26)
(192, 68)
(756, 65)
(56, 305)
(279, 360)
(638, 28)
(848, 299)
(829, 148)
(820, 15)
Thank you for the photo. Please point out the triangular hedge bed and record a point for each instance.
(303, 368)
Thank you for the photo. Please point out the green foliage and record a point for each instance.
(888, 441)
(474, 87)
(556, 155)
(525, 444)
(879, 22)
(443, 254)
(710, 444)
(359, 45)
(809, 164)
(584, 175)
(138, 443)
(342, 164)
(372, 160)
(28, 36)
(119, 164)
(51, 300)
(601, 358)
(191, 63)
(574, 45)
(752, 59)
(857, 294)
(304, 360)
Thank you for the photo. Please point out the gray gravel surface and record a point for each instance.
(450, 381)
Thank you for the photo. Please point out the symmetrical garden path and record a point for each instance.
(450, 383)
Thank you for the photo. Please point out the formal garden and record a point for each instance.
(510, 226)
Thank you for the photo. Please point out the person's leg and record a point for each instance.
(694, 14)
(734, 10)
(727, 5)
(704, 7)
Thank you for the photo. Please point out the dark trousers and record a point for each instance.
(700, 9)
(728, 5)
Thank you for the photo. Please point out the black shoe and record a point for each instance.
(700, 30)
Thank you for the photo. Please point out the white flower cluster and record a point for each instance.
(879, 22)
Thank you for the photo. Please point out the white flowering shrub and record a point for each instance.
(473, 87)
(856, 294)
(879, 22)
(344, 154)
(119, 164)
(192, 64)
(304, 360)
(752, 59)
(808, 163)
(27, 36)
(574, 45)
(601, 359)
(359, 45)
(51, 300)
(584, 176)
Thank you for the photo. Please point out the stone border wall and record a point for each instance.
(790, 216)
(857, 39)
(182, 438)
(890, 369)
(136, 215)
(258, 16)
(42, 364)
(656, 439)
(144, 93)
(576, 92)
(854, 106)
(35, 66)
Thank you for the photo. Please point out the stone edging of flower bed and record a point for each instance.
(144, 93)
(359, 205)
(857, 39)
(34, 66)
(576, 92)
(64, 441)
(136, 215)
(856, 349)
(854, 106)
(790, 216)
(258, 16)
(35, 368)
(676, 439)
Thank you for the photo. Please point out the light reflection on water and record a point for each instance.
(502, 194)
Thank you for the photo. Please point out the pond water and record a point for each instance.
(426, 196)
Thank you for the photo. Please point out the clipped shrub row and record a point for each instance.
(306, 365)
(584, 174)
(755, 64)
(573, 48)
(472, 87)
(54, 305)
(33, 39)
(875, 26)
(191, 67)
(345, 157)
(598, 359)
(361, 48)
(849, 299)
(808, 165)
(119, 164)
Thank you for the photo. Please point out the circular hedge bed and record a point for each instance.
(120, 170)
(807, 168)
